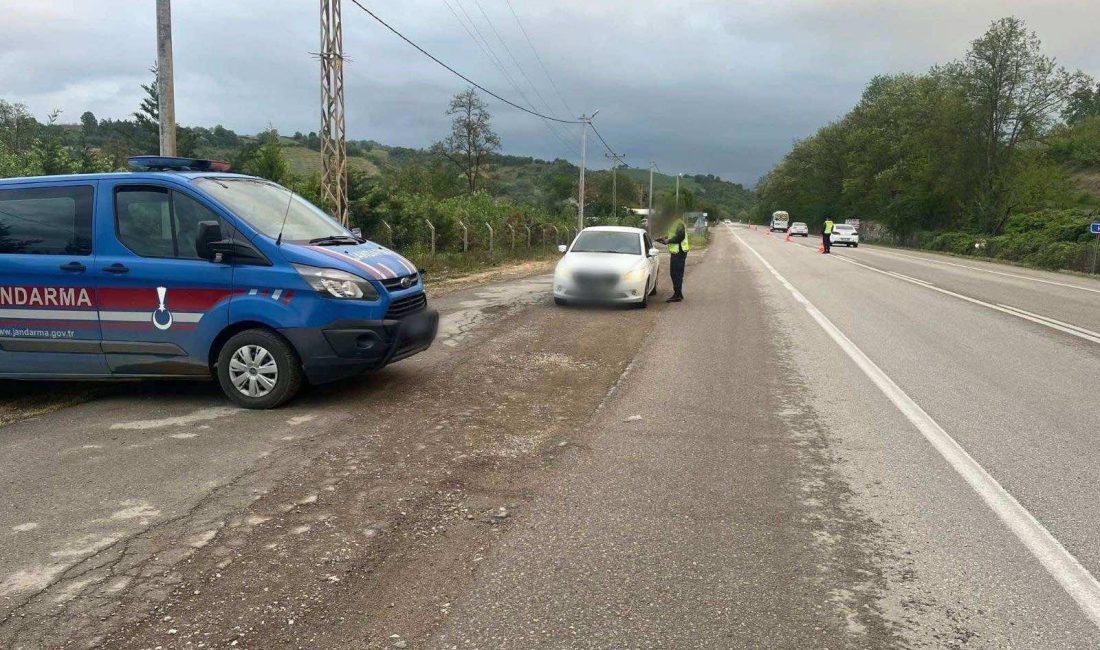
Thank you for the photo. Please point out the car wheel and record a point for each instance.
(855, 245)
(257, 369)
(653, 291)
(560, 301)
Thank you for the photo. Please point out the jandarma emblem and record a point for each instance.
(162, 318)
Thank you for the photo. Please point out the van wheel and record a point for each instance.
(257, 369)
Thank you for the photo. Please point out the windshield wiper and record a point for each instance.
(332, 240)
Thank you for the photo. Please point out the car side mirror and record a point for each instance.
(562, 248)
(653, 252)
(210, 232)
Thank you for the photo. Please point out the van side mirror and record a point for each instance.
(562, 248)
(653, 252)
(210, 232)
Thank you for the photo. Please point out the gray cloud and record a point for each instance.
(704, 86)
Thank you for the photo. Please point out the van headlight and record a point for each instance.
(334, 283)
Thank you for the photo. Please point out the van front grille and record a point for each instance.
(406, 306)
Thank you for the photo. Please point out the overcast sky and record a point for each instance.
(701, 86)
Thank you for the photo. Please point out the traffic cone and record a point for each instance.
(788, 237)
(821, 248)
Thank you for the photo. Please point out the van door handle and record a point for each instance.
(75, 267)
(116, 268)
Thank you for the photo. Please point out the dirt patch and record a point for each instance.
(440, 285)
(377, 535)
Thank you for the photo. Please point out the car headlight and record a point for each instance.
(635, 275)
(334, 283)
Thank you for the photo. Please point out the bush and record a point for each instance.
(959, 243)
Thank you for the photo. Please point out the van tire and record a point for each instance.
(288, 379)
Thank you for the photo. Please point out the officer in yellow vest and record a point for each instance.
(678, 247)
(826, 234)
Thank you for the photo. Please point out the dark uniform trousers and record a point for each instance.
(676, 265)
(825, 241)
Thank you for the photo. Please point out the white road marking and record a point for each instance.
(1053, 320)
(1059, 563)
(976, 268)
(1079, 332)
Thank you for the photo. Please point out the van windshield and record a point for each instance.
(263, 205)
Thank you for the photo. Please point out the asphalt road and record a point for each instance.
(876, 448)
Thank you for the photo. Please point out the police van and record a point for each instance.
(183, 270)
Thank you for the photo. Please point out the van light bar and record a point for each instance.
(169, 163)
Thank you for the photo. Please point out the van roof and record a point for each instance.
(141, 175)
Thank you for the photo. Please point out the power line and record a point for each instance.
(538, 58)
(487, 50)
(605, 145)
(508, 50)
(459, 74)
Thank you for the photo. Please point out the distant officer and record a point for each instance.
(678, 247)
(826, 234)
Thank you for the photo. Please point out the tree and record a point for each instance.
(1083, 103)
(472, 139)
(147, 116)
(88, 124)
(1016, 92)
(267, 159)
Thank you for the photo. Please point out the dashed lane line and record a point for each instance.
(1018, 276)
(1074, 578)
(1047, 321)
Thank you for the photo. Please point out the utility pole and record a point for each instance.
(677, 215)
(617, 157)
(585, 121)
(166, 96)
(649, 216)
(334, 153)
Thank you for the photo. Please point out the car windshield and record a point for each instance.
(607, 241)
(798, 224)
(264, 206)
(843, 228)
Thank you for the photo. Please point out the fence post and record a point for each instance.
(513, 229)
(557, 235)
(528, 235)
(490, 237)
(389, 230)
(432, 228)
(465, 235)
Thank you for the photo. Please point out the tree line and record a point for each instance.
(963, 148)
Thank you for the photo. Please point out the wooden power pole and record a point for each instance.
(166, 94)
(334, 152)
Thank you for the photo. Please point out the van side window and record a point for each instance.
(158, 222)
(46, 221)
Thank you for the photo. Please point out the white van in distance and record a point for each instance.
(780, 219)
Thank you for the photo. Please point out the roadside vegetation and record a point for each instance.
(486, 208)
(996, 155)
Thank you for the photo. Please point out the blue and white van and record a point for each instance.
(187, 271)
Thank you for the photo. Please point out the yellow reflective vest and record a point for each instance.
(828, 226)
(673, 231)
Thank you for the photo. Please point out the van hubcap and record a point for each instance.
(253, 370)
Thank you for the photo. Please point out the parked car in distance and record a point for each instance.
(845, 234)
(186, 271)
(799, 228)
(607, 264)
